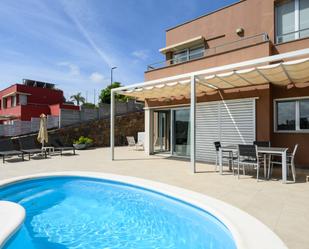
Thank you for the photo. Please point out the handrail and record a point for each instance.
(206, 52)
(290, 33)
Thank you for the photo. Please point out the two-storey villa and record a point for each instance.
(235, 75)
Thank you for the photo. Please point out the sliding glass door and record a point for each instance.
(181, 132)
(171, 132)
(162, 131)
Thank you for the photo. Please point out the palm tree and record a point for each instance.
(78, 98)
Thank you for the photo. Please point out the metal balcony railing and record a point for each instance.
(244, 42)
(292, 36)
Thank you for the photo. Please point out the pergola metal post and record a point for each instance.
(193, 124)
(112, 124)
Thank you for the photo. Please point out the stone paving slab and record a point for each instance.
(282, 207)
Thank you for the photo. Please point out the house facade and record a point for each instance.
(31, 99)
(265, 102)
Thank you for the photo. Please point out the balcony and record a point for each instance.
(292, 36)
(226, 47)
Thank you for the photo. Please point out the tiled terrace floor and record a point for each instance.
(284, 208)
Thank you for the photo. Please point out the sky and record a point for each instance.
(74, 43)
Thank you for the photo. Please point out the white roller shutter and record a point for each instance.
(231, 122)
(207, 120)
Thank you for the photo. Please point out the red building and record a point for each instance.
(30, 99)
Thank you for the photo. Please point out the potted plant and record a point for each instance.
(82, 143)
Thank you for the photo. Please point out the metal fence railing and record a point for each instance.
(244, 42)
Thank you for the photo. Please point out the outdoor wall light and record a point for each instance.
(240, 31)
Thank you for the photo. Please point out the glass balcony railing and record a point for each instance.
(193, 55)
(292, 36)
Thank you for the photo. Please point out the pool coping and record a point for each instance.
(12, 216)
(247, 231)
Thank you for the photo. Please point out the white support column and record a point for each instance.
(148, 146)
(112, 124)
(193, 124)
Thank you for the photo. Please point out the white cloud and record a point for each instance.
(141, 54)
(74, 69)
(97, 77)
(77, 50)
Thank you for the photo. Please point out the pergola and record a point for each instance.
(283, 70)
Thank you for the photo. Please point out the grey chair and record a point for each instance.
(248, 156)
(7, 150)
(262, 156)
(262, 143)
(28, 146)
(60, 146)
(230, 157)
(290, 162)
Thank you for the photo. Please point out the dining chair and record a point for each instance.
(248, 156)
(231, 158)
(265, 159)
(290, 163)
(262, 143)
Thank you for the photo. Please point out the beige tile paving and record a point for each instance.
(282, 207)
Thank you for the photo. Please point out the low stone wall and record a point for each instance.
(99, 130)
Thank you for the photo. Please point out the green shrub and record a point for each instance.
(83, 140)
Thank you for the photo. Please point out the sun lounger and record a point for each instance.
(29, 147)
(7, 150)
(132, 143)
(60, 146)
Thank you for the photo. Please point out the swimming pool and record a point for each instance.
(82, 212)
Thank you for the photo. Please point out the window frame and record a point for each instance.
(188, 53)
(297, 115)
(179, 52)
(297, 31)
(202, 46)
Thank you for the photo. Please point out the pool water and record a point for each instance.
(78, 212)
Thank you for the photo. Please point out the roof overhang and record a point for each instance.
(294, 70)
(182, 45)
(15, 93)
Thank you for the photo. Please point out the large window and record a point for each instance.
(292, 115)
(292, 20)
(188, 54)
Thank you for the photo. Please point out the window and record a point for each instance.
(23, 99)
(304, 114)
(188, 54)
(13, 101)
(292, 20)
(303, 18)
(181, 56)
(196, 53)
(4, 103)
(292, 115)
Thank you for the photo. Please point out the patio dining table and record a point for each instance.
(263, 150)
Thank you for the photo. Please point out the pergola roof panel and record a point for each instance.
(282, 74)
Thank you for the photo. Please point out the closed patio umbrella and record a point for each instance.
(43, 135)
